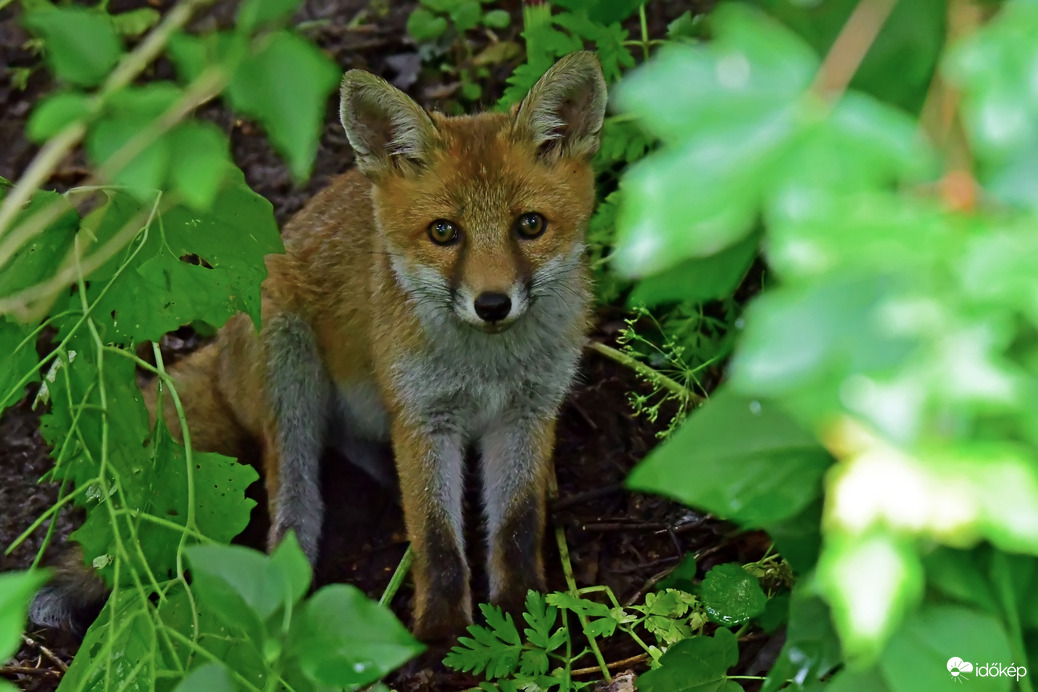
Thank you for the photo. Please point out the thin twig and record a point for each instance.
(623, 663)
(27, 670)
(45, 651)
(645, 371)
(850, 47)
(571, 582)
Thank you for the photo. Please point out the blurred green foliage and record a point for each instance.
(878, 417)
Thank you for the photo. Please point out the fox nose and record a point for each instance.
(492, 307)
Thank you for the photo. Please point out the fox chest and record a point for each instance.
(471, 395)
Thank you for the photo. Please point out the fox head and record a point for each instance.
(482, 216)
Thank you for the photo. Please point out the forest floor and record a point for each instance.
(623, 540)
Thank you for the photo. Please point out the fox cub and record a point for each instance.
(437, 298)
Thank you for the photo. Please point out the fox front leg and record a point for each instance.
(299, 394)
(516, 460)
(430, 466)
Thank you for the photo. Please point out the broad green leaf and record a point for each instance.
(466, 15)
(729, 126)
(740, 458)
(870, 680)
(958, 574)
(424, 26)
(497, 19)
(16, 592)
(18, 359)
(286, 87)
(266, 584)
(81, 44)
(254, 14)
(39, 258)
(811, 650)
(697, 664)
(135, 22)
(993, 67)
(346, 639)
(203, 266)
(700, 279)
(957, 496)
(919, 653)
(797, 338)
(227, 641)
(870, 581)
(54, 112)
(211, 677)
(199, 162)
(126, 625)
(127, 113)
(732, 596)
(799, 538)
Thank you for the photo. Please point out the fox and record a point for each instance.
(435, 298)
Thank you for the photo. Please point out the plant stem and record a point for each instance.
(398, 578)
(571, 582)
(850, 47)
(646, 371)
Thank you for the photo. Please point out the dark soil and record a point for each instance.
(625, 541)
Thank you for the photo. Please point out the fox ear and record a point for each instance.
(385, 127)
(563, 112)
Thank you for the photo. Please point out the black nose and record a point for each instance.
(492, 307)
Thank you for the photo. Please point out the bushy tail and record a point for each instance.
(72, 600)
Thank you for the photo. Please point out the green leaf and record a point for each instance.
(684, 27)
(870, 581)
(230, 576)
(700, 279)
(424, 26)
(918, 654)
(497, 19)
(776, 613)
(39, 258)
(286, 87)
(18, 359)
(127, 113)
(199, 162)
(54, 112)
(811, 650)
(697, 664)
(133, 23)
(16, 592)
(466, 15)
(211, 677)
(81, 44)
(346, 639)
(203, 266)
(740, 458)
(132, 638)
(541, 618)
(958, 574)
(732, 596)
(799, 538)
(493, 650)
(254, 14)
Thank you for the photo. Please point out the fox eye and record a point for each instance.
(443, 232)
(530, 225)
